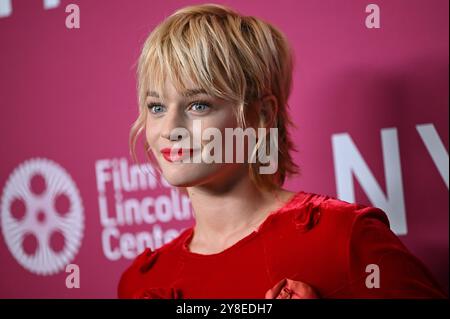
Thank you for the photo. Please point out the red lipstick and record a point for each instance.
(177, 155)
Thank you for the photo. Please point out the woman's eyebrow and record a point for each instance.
(194, 92)
(187, 93)
(153, 94)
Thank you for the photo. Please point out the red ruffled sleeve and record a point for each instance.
(373, 248)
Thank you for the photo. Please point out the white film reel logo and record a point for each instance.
(42, 216)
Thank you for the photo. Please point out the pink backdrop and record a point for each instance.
(373, 96)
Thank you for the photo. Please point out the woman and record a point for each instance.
(207, 69)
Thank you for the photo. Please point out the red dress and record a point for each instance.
(318, 240)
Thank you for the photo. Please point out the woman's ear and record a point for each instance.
(268, 110)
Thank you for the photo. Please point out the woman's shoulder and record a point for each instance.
(352, 212)
(160, 259)
(308, 210)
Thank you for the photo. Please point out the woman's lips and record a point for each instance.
(177, 154)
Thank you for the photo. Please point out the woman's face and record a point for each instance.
(184, 114)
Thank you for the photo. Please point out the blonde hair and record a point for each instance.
(230, 56)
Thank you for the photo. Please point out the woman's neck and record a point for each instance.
(224, 216)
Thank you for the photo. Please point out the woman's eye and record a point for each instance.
(199, 107)
(156, 108)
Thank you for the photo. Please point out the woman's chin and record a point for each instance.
(190, 175)
(183, 178)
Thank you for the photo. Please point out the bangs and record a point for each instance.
(232, 57)
(201, 50)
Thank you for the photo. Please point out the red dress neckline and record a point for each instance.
(297, 200)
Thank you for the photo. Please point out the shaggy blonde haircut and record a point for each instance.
(233, 57)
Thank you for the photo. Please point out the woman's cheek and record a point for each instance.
(151, 134)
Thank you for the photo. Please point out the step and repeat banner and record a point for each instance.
(370, 104)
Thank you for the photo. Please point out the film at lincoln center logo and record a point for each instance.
(42, 216)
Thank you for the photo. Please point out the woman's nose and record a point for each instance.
(173, 128)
